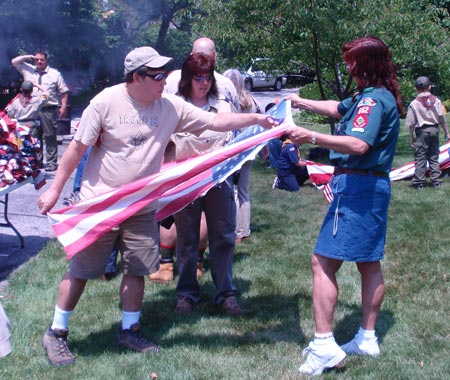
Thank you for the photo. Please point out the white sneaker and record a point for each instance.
(321, 357)
(365, 347)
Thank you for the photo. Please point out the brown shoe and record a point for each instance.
(55, 345)
(131, 338)
(184, 305)
(108, 276)
(200, 269)
(230, 306)
(165, 273)
(241, 239)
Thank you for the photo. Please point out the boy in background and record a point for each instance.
(291, 168)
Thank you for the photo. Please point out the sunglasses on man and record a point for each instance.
(157, 77)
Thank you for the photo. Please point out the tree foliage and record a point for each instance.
(313, 32)
(88, 39)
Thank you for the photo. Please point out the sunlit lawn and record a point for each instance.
(272, 273)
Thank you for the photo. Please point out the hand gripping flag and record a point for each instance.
(175, 186)
(179, 196)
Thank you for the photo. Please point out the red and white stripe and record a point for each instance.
(407, 171)
(78, 226)
(320, 174)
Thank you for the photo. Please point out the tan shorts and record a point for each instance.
(138, 242)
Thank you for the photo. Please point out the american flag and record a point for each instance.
(175, 186)
(407, 171)
(320, 175)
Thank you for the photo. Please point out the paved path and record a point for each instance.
(266, 96)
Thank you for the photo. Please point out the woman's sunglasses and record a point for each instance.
(202, 78)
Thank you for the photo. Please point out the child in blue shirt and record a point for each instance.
(291, 168)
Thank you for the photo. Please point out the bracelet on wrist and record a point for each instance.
(313, 138)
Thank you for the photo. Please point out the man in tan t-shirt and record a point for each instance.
(128, 127)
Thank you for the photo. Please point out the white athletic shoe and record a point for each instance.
(321, 357)
(365, 347)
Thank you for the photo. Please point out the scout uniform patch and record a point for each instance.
(364, 108)
(367, 102)
(359, 123)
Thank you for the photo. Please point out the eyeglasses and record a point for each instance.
(157, 77)
(202, 78)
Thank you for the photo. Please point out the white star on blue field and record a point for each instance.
(224, 169)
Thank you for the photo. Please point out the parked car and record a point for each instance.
(259, 74)
(299, 74)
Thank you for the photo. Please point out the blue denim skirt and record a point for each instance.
(354, 228)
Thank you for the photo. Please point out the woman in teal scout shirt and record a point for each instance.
(362, 149)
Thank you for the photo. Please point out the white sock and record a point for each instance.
(129, 318)
(323, 338)
(365, 334)
(61, 318)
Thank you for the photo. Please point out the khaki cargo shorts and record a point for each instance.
(138, 241)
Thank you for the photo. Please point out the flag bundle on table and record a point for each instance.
(78, 226)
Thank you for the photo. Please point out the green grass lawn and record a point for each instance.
(272, 273)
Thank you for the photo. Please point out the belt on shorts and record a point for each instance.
(341, 170)
(425, 126)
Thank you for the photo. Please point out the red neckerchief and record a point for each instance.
(427, 101)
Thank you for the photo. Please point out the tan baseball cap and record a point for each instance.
(144, 56)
